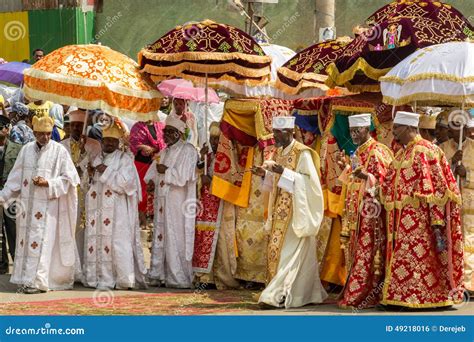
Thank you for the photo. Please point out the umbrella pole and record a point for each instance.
(206, 95)
(461, 133)
(84, 129)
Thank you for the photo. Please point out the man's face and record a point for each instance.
(165, 102)
(441, 133)
(76, 129)
(4, 130)
(427, 134)
(401, 133)
(110, 145)
(42, 138)
(179, 105)
(358, 134)
(282, 137)
(214, 141)
(171, 135)
(38, 55)
(104, 120)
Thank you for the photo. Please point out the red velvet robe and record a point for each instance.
(419, 192)
(364, 226)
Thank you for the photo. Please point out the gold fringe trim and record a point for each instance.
(427, 99)
(361, 88)
(203, 56)
(198, 80)
(242, 105)
(419, 306)
(206, 68)
(335, 78)
(348, 110)
(296, 76)
(66, 100)
(427, 76)
(302, 85)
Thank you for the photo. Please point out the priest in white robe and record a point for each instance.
(83, 151)
(44, 182)
(296, 209)
(113, 254)
(174, 178)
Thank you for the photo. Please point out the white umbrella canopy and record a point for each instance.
(280, 55)
(436, 75)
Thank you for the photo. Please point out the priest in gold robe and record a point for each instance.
(296, 209)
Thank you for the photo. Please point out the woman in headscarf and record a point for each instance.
(20, 134)
(56, 112)
(146, 140)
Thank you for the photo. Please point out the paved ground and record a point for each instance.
(8, 295)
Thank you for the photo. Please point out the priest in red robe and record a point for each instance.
(424, 242)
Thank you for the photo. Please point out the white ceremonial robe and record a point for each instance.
(46, 256)
(113, 254)
(297, 281)
(92, 151)
(175, 215)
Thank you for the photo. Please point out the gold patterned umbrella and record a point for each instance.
(93, 77)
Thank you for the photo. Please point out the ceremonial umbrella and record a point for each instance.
(436, 75)
(372, 54)
(206, 51)
(198, 50)
(183, 89)
(93, 77)
(445, 13)
(279, 55)
(307, 69)
(13, 72)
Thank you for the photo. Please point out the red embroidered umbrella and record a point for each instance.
(206, 49)
(445, 13)
(372, 54)
(307, 69)
(202, 51)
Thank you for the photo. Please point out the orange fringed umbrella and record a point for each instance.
(93, 77)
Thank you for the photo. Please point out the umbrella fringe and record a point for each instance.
(335, 78)
(210, 69)
(201, 56)
(430, 99)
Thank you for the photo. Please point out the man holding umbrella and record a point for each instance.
(174, 178)
(83, 151)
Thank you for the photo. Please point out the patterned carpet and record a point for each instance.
(106, 303)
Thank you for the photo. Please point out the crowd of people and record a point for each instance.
(78, 188)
